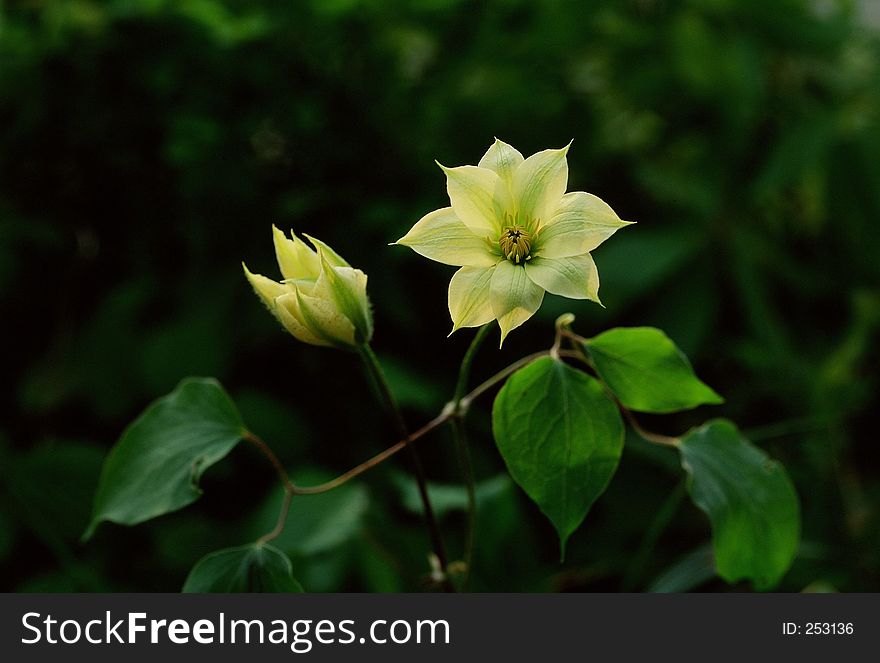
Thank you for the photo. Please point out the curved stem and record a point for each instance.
(648, 436)
(372, 462)
(446, 415)
(375, 370)
(500, 376)
(463, 449)
(289, 488)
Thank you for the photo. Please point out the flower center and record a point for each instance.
(516, 244)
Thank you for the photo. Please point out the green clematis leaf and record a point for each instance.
(561, 437)
(441, 236)
(470, 302)
(253, 568)
(156, 465)
(575, 277)
(647, 371)
(579, 224)
(514, 296)
(749, 499)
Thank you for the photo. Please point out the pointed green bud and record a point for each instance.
(321, 300)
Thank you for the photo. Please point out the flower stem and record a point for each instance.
(289, 488)
(463, 449)
(464, 372)
(447, 414)
(374, 368)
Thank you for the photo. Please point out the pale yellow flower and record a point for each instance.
(321, 300)
(515, 234)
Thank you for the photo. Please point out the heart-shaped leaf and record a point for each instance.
(561, 436)
(155, 467)
(253, 568)
(749, 499)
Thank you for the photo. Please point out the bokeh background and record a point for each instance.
(147, 145)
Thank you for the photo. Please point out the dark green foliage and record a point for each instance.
(254, 568)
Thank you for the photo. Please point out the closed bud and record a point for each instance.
(321, 299)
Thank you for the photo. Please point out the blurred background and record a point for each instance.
(147, 145)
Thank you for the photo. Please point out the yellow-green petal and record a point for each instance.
(295, 259)
(538, 184)
(503, 159)
(469, 299)
(441, 236)
(345, 288)
(575, 277)
(581, 223)
(472, 192)
(267, 289)
(513, 295)
(324, 319)
(332, 257)
(288, 313)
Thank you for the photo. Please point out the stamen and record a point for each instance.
(516, 244)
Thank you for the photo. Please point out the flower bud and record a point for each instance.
(321, 300)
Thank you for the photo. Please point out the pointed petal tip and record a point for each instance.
(504, 334)
(279, 235)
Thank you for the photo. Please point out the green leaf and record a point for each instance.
(447, 498)
(561, 437)
(156, 465)
(252, 568)
(647, 371)
(749, 499)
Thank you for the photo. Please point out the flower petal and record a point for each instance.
(514, 296)
(323, 250)
(477, 196)
(324, 320)
(441, 236)
(345, 289)
(539, 182)
(503, 159)
(296, 260)
(580, 224)
(267, 289)
(469, 301)
(575, 277)
(288, 312)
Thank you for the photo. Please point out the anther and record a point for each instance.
(516, 244)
